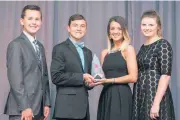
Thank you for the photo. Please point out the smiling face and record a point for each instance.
(149, 27)
(31, 21)
(77, 29)
(115, 31)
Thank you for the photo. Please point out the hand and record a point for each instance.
(154, 113)
(46, 112)
(95, 84)
(27, 114)
(104, 80)
(98, 82)
(88, 78)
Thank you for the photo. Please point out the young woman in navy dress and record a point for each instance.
(120, 68)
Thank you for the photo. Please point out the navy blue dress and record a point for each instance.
(115, 101)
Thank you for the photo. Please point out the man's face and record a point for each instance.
(77, 29)
(31, 21)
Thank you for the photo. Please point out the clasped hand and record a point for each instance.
(90, 81)
(27, 114)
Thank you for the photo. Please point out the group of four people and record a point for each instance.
(150, 71)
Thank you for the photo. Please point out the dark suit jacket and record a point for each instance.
(67, 75)
(29, 85)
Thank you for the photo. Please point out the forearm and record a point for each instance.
(67, 79)
(47, 99)
(123, 79)
(47, 90)
(18, 90)
(47, 94)
(161, 90)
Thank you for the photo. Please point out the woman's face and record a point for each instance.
(149, 27)
(115, 31)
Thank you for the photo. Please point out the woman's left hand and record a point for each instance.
(154, 113)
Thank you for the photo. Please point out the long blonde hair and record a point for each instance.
(126, 37)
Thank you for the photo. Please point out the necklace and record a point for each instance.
(152, 41)
(115, 50)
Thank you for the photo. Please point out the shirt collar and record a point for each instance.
(31, 38)
(73, 41)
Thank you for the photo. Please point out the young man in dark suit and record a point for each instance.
(27, 71)
(70, 71)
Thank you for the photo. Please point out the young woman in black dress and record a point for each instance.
(120, 68)
(151, 94)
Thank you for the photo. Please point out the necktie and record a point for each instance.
(80, 51)
(81, 44)
(38, 53)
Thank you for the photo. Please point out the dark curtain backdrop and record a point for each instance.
(97, 13)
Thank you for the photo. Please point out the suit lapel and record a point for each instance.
(29, 45)
(85, 60)
(73, 49)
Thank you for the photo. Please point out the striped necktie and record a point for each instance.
(38, 53)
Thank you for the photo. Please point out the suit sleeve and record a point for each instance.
(47, 90)
(59, 75)
(15, 75)
(89, 70)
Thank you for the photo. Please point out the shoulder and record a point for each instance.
(104, 52)
(60, 46)
(16, 42)
(164, 44)
(103, 55)
(164, 47)
(130, 49)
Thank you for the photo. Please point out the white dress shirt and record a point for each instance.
(31, 39)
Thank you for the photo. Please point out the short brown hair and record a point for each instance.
(76, 17)
(30, 7)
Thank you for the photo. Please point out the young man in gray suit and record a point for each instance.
(70, 71)
(27, 71)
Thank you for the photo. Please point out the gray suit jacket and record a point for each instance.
(29, 84)
(67, 74)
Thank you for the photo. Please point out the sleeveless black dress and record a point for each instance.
(153, 60)
(115, 101)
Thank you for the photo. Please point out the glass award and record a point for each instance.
(96, 69)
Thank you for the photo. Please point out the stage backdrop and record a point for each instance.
(53, 31)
